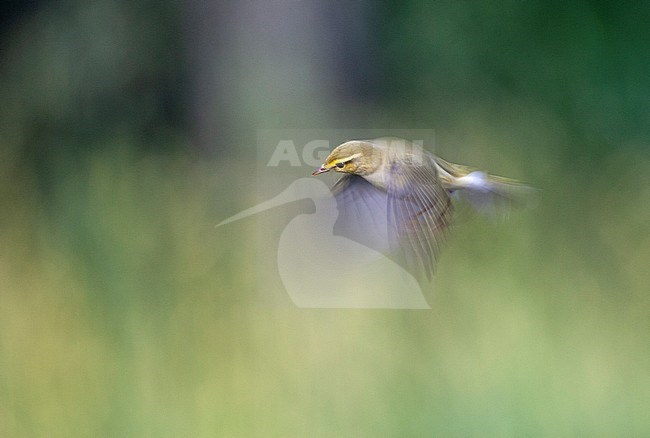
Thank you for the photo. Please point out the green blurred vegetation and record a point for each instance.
(123, 312)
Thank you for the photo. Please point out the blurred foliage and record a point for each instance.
(586, 62)
(125, 313)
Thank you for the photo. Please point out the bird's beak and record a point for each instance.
(319, 171)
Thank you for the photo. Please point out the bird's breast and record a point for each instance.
(377, 179)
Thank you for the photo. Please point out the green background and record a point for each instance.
(128, 129)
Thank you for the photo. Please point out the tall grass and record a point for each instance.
(125, 313)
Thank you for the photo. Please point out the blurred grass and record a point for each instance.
(124, 312)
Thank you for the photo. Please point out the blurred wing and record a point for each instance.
(362, 212)
(419, 211)
(408, 219)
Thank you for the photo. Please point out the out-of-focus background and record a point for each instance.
(128, 129)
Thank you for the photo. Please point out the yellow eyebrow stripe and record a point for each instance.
(346, 159)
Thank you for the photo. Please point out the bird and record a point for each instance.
(396, 197)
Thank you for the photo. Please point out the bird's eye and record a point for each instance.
(340, 165)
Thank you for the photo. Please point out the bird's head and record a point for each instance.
(357, 157)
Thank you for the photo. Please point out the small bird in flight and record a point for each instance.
(395, 196)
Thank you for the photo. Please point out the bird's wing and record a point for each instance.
(419, 211)
(362, 212)
(407, 220)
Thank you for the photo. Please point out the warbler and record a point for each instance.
(396, 197)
